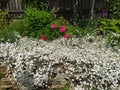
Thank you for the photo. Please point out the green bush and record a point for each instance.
(3, 15)
(74, 30)
(86, 26)
(91, 23)
(41, 4)
(33, 24)
(50, 33)
(3, 19)
(22, 26)
(36, 20)
(114, 9)
(31, 28)
(7, 35)
(19, 26)
(110, 25)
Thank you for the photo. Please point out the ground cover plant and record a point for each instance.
(33, 62)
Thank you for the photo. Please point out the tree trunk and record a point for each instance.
(75, 4)
(92, 9)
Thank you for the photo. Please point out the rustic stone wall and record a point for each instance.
(57, 83)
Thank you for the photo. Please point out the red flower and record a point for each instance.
(62, 29)
(65, 36)
(43, 38)
(53, 26)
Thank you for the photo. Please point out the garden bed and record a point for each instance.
(86, 63)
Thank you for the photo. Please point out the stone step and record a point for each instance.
(57, 86)
(6, 86)
(5, 80)
(6, 83)
(16, 87)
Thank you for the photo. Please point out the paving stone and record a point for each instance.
(6, 86)
(58, 82)
(5, 80)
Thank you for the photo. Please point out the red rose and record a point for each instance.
(43, 38)
(62, 29)
(53, 26)
(65, 36)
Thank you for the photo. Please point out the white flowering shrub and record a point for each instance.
(87, 63)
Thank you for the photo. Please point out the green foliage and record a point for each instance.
(36, 20)
(114, 9)
(59, 21)
(113, 40)
(18, 26)
(3, 15)
(28, 27)
(43, 5)
(7, 35)
(91, 23)
(86, 26)
(50, 33)
(110, 25)
(66, 87)
(34, 3)
(38, 23)
(74, 30)
(3, 19)
(29, 2)
(83, 23)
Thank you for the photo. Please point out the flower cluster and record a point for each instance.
(62, 31)
(89, 65)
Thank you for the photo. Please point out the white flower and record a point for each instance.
(88, 62)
